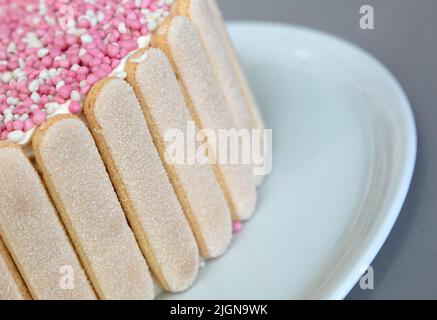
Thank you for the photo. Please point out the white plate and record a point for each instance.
(344, 147)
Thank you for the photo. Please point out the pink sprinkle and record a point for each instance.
(39, 117)
(47, 61)
(84, 23)
(9, 126)
(84, 90)
(44, 100)
(18, 125)
(28, 124)
(113, 50)
(86, 58)
(75, 107)
(71, 39)
(64, 64)
(92, 79)
(4, 135)
(95, 62)
(44, 89)
(237, 226)
(27, 103)
(153, 7)
(115, 63)
(65, 91)
(59, 100)
(83, 70)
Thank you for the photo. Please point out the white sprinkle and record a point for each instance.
(120, 74)
(42, 8)
(60, 84)
(44, 74)
(34, 86)
(144, 41)
(18, 73)
(74, 67)
(15, 136)
(51, 107)
(75, 95)
(83, 83)
(33, 107)
(35, 97)
(50, 20)
(94, 21)
(7, 77)
(53, 72)
(32, 40)
(22, 76)
(82, 51)
(86, 38)
(90, 13)
(24, 117)
(141, 58)
(12, 101)
(42, 52)
(8, 116)
(100, 16)
(122, 27)
(152, 25)
(12, 48)
(21, 63)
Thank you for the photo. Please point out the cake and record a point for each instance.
(91, 205)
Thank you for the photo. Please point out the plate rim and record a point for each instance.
(352, 276)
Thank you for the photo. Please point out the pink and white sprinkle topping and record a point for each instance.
(53, 51)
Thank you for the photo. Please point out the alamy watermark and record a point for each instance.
(367, 20)
(220, 146)
(367, 280)
(66, 281)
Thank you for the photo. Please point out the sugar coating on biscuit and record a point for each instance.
(34, 235)
(257, 120)
(221, 62)
(142, 184)
(83, 193)
(11, 284)
(209, 109)
(242, 106)
(198, 190)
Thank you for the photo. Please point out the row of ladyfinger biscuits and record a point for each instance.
(126, 139)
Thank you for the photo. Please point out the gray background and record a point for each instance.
(404, 39)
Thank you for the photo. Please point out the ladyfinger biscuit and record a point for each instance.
(195, 184)
(34, 235)
(202, 18)
(142, 184)
(12, 286)
(81, 189)
(206, 18)
(250, 99)
(179, 40)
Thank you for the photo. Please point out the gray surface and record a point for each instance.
(405, 40)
